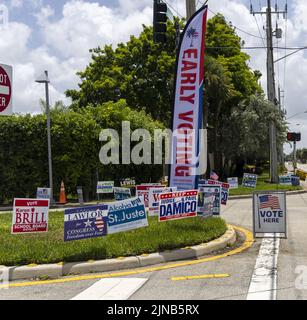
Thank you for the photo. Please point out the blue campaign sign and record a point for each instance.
(127, 215)
(295, 180)
(249, 180)
(121, 193)
(285, 180)
(85, 222)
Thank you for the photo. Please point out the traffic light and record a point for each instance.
(294, 136)
(159, 21)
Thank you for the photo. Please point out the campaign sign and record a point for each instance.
(143, 190)
(30, 216)
(43, 193)
(105, 186)
(85, 222)
(269, 210)
(127, 183)
(233, 182)
(249, 180)
(285, 180)
(178, 205)
(295, 180)
(80, 195)
(224, 188)
(127, 215)
(154, 198)
(206, 197)
(121, 193)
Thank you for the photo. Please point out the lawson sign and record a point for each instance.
(127, 215)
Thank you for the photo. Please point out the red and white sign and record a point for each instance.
(188, 104)
(6, 74)
(143, 190)
(30, 216)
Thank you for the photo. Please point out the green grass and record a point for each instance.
(50, 247)
(263, 184)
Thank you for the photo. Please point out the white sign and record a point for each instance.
(233, 182)
(6, 83)
(43, 193)
(143, 190)
(105, 186)
(269, 209)
(154, 199)
(188, 104)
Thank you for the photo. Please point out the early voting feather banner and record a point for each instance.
(188, 104)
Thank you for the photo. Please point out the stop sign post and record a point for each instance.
(6, 74)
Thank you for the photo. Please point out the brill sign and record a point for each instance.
(188, 105)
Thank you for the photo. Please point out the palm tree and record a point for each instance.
(192, 33)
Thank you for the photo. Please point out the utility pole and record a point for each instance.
(191, 8)
(280, 146)
(271, 91)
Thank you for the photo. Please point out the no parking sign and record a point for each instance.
(6, 75)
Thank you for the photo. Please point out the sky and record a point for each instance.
(57, 35)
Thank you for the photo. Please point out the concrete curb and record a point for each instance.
(72, 268)
(249, 196)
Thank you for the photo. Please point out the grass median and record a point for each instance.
(50, 248)
(263, 184)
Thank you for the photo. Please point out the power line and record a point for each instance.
(285, 60)
(261, 47)
(261, 36)
(259, 31)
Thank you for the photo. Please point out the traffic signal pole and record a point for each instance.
(294, 156)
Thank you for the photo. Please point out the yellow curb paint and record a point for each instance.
(60, 263)
(90, 261)
(246, 245)
(204, 276)
(145, 255)
(32, 265)
(120, 258)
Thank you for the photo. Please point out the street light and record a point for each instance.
(296, 114)
(45, 79)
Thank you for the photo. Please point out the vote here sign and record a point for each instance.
(269, 212)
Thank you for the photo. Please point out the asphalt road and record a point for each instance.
(292, 258)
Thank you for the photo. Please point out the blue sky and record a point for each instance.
(57, 35)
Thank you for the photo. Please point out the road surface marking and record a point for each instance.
(264, 279)
(112, 289)
(204, 276)
(246, 245)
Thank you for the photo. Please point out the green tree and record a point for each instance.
(75, 150)
(139, 72)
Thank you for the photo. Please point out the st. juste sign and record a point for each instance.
(6, 75)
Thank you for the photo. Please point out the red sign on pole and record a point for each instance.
(5, 90)
(30, 215)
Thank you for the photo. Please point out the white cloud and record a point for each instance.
(83, 25)
(16, 3)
